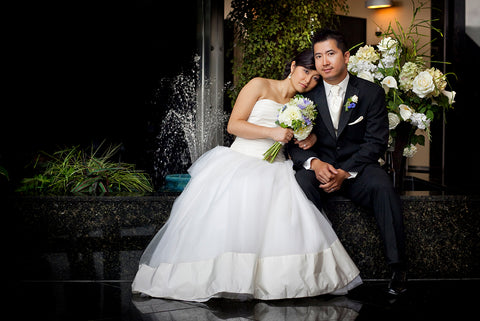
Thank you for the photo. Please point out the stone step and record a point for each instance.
(76, 237)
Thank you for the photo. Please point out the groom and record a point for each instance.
(352, 134)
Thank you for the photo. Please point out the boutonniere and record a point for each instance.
(351, 103)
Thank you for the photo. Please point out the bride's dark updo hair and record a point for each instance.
(304, 59)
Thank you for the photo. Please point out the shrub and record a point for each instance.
(270, 32)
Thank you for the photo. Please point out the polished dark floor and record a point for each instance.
(95, 300)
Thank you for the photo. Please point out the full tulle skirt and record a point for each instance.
(243, 228)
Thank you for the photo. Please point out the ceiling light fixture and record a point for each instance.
(378, 4)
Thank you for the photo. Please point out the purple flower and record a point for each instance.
(351, 102)
(307, 120)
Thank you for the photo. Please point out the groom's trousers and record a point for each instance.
(373, 189)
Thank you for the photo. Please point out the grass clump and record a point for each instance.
(74, 171)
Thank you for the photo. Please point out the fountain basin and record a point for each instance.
(176, 182)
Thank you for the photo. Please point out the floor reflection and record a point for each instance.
(318, 308)
(425, 300)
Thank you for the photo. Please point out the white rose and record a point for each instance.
(389, 82)
(386, 44)
(423, 84)
(405, 111)
(366, 75)
(393, 120)
(450, 95)
(355, 99)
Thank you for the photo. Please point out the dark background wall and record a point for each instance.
(461, 130)
(80, 72)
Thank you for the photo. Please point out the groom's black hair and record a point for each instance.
(326, 34)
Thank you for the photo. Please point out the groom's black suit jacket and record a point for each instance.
(362, 131)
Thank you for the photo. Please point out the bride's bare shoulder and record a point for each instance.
(265, 85)
(260, 81)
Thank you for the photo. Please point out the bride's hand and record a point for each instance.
(282, 135)
(307, 142)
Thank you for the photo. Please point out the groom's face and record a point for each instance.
(330, 62)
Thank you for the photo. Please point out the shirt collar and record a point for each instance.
(343, 85)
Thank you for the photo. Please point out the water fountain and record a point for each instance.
(193, 124)
(195, 121)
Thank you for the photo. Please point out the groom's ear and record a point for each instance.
(346, 56)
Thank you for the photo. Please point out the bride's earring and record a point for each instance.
(290, 76)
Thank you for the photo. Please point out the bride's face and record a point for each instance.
(304, 79)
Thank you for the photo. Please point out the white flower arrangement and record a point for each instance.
(414, 93)
(298, 114)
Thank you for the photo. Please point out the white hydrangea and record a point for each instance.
(352, 64)
(388, 61)
(363, 65)
(378, 75)
(409, 71)
(409, 151)
(439, 80)
(367, 53)
(420, 120)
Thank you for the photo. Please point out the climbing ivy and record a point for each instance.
(270, 32)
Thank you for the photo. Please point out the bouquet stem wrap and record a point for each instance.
(272, 152)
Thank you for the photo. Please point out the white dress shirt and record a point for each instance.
(334, 113)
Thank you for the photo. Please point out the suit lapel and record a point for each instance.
(345, 115)
(322, 106)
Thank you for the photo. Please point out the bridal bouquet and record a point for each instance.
(415, 92)
(298, 114)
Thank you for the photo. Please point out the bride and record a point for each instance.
(243, 228)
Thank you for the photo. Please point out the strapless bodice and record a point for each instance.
(264, 113)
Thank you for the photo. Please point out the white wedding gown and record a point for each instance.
(243, 228)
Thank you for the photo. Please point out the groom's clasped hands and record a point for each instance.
(330, 178)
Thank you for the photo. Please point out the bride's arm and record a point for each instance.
(238, 124)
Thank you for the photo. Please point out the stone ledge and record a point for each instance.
(103, 237)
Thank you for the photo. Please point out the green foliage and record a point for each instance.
(3, 172)
(73, 171)
(410, 39)
(271, 32)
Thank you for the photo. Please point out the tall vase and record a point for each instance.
(403, 131)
